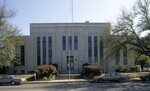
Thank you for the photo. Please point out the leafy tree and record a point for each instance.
(142, 60)
(9, 39)
(135, 68)
(129, 27)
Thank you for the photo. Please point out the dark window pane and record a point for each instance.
(70, 42)
(50, 50)
(22, 55)
(38, 51)
(75, 42)
(95, 50)
(101, 50)
(44, 50)
(63, 42)
(90, 49)
(125, 57)
(117, 57)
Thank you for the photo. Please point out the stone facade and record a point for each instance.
(61, 43)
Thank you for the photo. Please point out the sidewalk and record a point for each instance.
(68, 81)
(58, 81)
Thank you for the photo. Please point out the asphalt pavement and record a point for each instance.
(80, 86)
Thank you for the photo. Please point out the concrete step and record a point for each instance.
(66, 76)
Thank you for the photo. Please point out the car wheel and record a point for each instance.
(13, 83)
(100, 80)
(121, 80)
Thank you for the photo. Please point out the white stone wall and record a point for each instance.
(59, 56)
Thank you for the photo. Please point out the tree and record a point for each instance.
(127, 30)
(9, 36)
(142, 60)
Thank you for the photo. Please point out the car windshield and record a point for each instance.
(113, 74)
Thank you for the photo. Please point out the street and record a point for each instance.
(80, 86)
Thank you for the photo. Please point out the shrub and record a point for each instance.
(91, 71)
(135, 68)
(44, 71)
(56, 65)
(121, 67)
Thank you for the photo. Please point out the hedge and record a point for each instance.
(45, 71)
(135, 68)
(90, 71)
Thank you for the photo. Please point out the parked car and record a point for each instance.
(10, 79)
(145, 77)
(113, 76)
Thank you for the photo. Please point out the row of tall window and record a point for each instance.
(125, 60)
(44, 46)
(95, 39)
(44, 50)
(70, 43)
(101, 51)
(73, 46)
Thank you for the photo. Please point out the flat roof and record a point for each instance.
(68, 24)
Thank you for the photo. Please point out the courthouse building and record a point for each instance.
(61, 43)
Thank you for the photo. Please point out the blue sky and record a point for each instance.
(59, 11)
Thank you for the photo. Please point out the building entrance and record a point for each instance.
(70, 59)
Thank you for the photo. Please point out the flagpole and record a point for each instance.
(71, 11)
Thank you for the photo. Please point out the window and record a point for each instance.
(125, 56)
(69, 42)
(90, 49)
(50, 50)
(75, 42)
(22, 55)
(117, 57)
(44, 50)
(38, 51)
(95, 50)
(22, 71)
(63, 42)
(101, 50)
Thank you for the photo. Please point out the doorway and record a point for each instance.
(71, 60)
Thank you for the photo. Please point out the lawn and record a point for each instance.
(135, 74)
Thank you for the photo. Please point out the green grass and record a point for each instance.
(135, 74)
(29, 77)
(25, 75)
